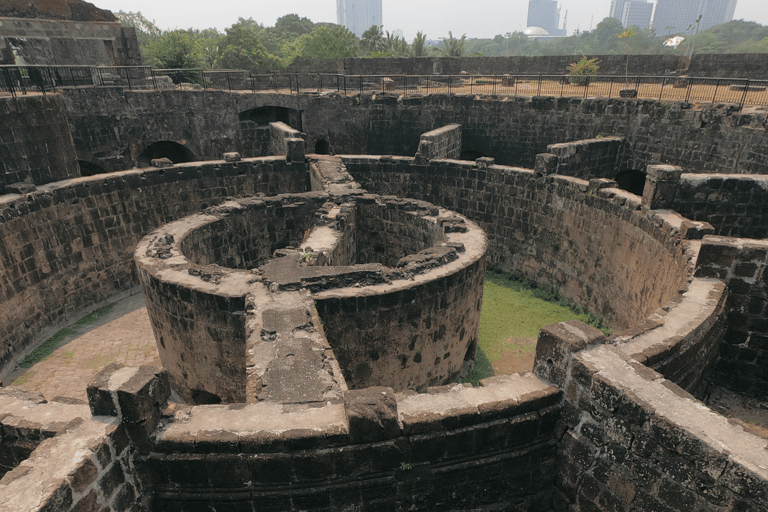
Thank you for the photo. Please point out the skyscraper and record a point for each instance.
(674, 16)
(637, 13)
(617, 9)
(545, 14)
(358, 15)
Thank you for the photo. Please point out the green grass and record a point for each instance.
(49, 345)
(514, 307)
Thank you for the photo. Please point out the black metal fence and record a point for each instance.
(21, 79)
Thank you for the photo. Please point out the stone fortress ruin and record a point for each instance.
(313, 264)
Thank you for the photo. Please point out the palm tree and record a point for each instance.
(419, 45)
(452, 47)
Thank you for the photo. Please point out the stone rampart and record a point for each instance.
(553, 231)
(53, 269)
(442, 142)
(702, 139)
(35, 141)
(634, 440)
(730, 65)
(653, 65)
(63, 42)
(585, 159)
(82, 464)
(412, 285)
(733, 204)
(744, 352)
(452, 447)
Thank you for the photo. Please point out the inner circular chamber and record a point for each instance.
(395, 286)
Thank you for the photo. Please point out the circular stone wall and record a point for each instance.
(397, 285)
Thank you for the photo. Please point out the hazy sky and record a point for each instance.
(476, 18)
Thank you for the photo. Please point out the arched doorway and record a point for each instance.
(89, 169)
(632, 181)
(173, 151)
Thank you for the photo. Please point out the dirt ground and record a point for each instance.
(516, 356)
(750, 413)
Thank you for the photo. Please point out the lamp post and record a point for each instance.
(693, 43)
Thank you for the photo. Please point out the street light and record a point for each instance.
(693, 43)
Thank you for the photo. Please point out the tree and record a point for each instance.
(419, 45)
(242, 48)
(372, 40)
(145, 30)
(329, 42)
(176, 49)
(452, 47)
(294, 26)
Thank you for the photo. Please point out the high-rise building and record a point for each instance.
(637, 13)
(617, 9)
(358, 15)
(545, 14)
(675, 16)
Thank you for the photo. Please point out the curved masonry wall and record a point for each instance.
(416, 310)
(610, 433)
(594, 245)
(35, 141)
(67, 246)
(111, 127)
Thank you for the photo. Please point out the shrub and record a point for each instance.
(580, 71)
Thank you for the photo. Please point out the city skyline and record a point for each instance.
(482, 19)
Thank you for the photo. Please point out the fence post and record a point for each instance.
(154, 78)
(538, 93)
(744, 96)
(202, 78)
(661, 92)
(717, 86)
(586, 87)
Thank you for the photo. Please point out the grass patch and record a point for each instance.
(49, 345)
(514, 307)
(24, 378)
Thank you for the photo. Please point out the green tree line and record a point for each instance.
(252, 46)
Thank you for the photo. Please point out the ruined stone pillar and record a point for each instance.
(660, 186)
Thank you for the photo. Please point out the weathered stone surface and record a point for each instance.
(372, 414)
(556, 344)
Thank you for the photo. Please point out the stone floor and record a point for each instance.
(124, 336)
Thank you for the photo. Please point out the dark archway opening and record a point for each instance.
(470, 155)
(89, 169)
(173, 151)
(632, 181)
(262, 116)
(322, 147)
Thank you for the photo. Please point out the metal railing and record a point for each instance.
(21, 79)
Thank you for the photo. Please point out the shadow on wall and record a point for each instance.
(173, 151)
(322, 147)
(262, 116)
(632, 181)
(89, 169)
(470, 155)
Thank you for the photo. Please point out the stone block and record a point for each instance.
(136, 395)
(161, 162)
(692, 230)
(295, 150)
(661, 183)
(20, 188)
(232, 157)
(546, 163)
(372, 414)
(555, 345)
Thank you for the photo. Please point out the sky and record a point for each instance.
(475, 18)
